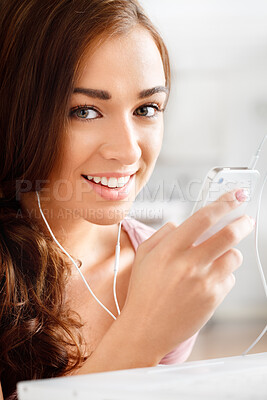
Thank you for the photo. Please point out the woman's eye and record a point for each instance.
(147, 111)
(85, 113)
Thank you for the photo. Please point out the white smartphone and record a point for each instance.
(220, 180)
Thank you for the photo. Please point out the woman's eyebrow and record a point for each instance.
(95, 93)
(105, 95)
(150, 92)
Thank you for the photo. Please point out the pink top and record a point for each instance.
(139, 232)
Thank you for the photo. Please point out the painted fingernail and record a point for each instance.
(242, 195)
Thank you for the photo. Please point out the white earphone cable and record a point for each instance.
(74, 262)
(116, 268)
(259, 263)
(256, 156)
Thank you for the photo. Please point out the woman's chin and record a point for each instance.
(107, 216)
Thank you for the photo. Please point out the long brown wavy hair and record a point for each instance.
(42, 43)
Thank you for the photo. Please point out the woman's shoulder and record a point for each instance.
(137, 231)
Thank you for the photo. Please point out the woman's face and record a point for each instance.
(115, 129)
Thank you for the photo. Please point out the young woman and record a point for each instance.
(83, 88)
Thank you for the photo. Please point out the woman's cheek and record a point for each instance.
(150, 152)
(153, 142)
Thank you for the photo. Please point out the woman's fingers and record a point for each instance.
(221, 290)
(150, 243)
(221, 275)
(171, 238)
(223, 240)
(225, 265)
(190, 230)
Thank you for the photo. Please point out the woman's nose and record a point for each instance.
(122, 143)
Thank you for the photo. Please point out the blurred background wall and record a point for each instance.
(217, 115)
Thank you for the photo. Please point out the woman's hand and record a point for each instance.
(174, 289)
(176, 286)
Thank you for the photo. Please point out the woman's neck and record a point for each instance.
(84, 240)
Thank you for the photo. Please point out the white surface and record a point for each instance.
(228, 378)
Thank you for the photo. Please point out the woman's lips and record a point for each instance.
(112, 194)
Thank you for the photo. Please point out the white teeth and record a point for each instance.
(113, 182)
(97, 179)
(104, 181)
(110, 182)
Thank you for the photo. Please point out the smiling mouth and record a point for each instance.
(109, 182)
